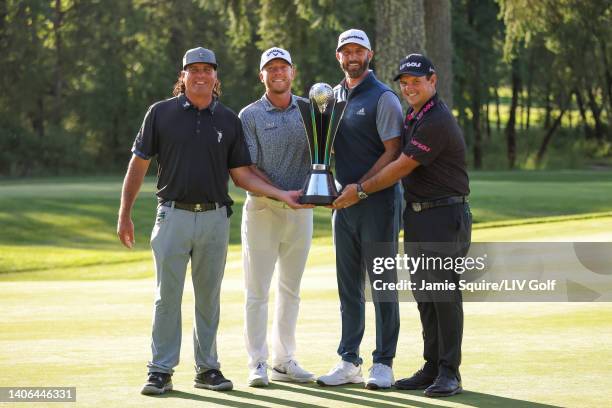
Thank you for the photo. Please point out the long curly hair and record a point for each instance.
(179, 87)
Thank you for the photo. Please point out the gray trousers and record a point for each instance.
(177, 237)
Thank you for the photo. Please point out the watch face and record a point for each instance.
(362, 195)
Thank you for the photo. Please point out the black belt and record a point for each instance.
(199, 207)
(418, 207)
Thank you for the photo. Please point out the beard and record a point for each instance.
(356, 72)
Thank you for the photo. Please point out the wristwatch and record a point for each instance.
(360, 193)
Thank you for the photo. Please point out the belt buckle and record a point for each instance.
(197, 208)
(416, 207)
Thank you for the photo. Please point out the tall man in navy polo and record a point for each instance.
(437, 219)
(199, 144)
(366, 141)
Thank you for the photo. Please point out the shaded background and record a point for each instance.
(530, 83)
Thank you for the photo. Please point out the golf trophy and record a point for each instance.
(321, 116)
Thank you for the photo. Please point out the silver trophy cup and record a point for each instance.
(321, 116)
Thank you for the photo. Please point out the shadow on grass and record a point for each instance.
(347, 393)
(351, 394)
(239, 394)
(90, 222)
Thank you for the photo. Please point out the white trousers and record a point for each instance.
(273, 235)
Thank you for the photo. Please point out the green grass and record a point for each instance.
(76, 306)
(52, 228)
(95, 335)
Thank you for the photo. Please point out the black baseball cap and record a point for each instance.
(415, 65)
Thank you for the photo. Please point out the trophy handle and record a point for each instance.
(336, 115)
(304, 107)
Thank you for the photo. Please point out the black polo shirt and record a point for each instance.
(194, 149)
(433, 138)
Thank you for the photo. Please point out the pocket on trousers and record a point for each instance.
(255, 205)
(162, 217)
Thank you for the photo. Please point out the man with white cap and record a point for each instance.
(273, 234)
(433, 169)
(366, 141)
(198, 144)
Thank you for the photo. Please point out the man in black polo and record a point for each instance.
(199, 144)
(437, 219)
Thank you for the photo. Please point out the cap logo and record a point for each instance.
(348, 37)
(275, 52)
(410, 64)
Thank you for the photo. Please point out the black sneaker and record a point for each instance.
(419, 381)
(157, 384)
(213, 380)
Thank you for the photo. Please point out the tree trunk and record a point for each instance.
(477, 132)
(3, 14)
(497, 115)
(529, 85)
(439, 45)
(521, 110)
(596, 111)
(488, 116)
(476, 107)
(56, 113)
(607, 75)
(548, 106)
(582, 110)
(547, 137)
(511, 125)
(400, 30)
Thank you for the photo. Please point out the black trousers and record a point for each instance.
(441, 232)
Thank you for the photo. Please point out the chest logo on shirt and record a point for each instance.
(360, 112)
(219, 136)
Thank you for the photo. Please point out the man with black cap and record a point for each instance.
(437, 219)
(274, 235)
(367, 139)
(199, 144)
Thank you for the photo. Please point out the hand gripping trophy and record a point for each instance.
(321, 124)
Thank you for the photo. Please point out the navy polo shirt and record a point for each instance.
(433, 138)
(194, 149)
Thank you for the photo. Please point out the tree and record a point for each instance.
(439, 45)
(400, 30)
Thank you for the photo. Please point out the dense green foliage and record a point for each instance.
(78, 75)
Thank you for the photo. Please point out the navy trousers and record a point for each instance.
(373, 220)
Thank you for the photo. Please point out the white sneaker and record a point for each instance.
(343, 373)
(258, 376)
(291, 371)
(380, 376)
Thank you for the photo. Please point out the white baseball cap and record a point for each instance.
(274, 53)
(354, 36)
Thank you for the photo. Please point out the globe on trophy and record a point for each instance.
(321, 116)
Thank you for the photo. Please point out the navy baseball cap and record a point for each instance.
(415, 65)
(199, 54)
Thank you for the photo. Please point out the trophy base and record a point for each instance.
(317, 200)
(319, 188)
